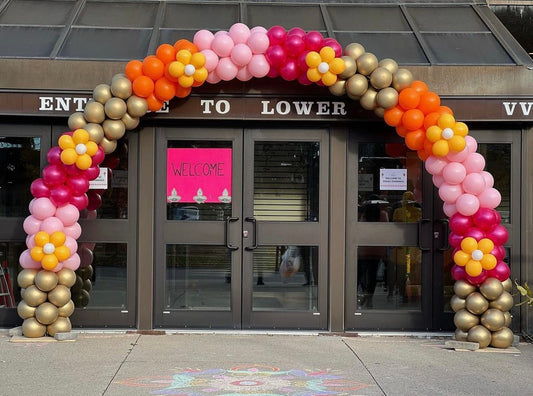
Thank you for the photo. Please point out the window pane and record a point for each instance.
(19, 167)
(115, 197)
(198, 277)
(285, 278)
(286, 181)
(9, 261)
(42, 13)
(38, 41)
(118, 14)
(367, 19)
(447, 19)
(198, 16)
(308, 17)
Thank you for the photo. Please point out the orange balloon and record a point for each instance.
(134, 69)
(154, 104)
(413, 119)
(428, 147)
(429, 102)
(186, 45)
(445, 110)
(401, 130)
(182, 92)
(415, 139)
(431, 119)
(408, 98)
(197, 83)
(419, 86)
(169, 76)
(143, 86)
(166, 53)
(164, 89)
(393, 116)
(422, 154)
(153, 67)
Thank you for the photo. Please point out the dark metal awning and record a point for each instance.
(411, 32)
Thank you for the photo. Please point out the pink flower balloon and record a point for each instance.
(458, 156)
(449, 209)
(226, 69)
(73, 231)
(73, 262)
(258, 42)
(489, 180)
(42, 208)
(435, 165)
(474, 183)
(471, 143)
(467, 204)
(202, 39)
(239, 33)
(30, 241)
(498, 252)
(78, 184)
(450, 192)
(241, 54)
(51, 225)
(27, 262)
(258, 29)
(68, 214)
(490, 198)
(244, 74)
(437, 180)
(211, 59)
(213, 78)
(454, 173)
(31, 225)
(258, 66)
(474, 163)
(222, 45)
(71, 244)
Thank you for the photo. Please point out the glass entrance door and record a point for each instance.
(241, 235)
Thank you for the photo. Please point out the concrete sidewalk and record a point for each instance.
(258, 364)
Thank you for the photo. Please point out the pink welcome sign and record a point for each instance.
(199, 175)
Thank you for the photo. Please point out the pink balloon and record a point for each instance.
(498, 252)
(458, 156)
(289, 71)
(211, 59)
(294, 45)
(449, 209)
(73, 231)
(42, 208)
(486, 218)
(98, 157)
(226, 69)
(79, 201)
(58, 267)
(91, 214)
(498, 234)
(39, 189)
(86, 256)
(244, 74)
(296, 31)
(459, 223)
(53, 156)
(73, 262)
(478, 280)
(258, 66)
(467, 204)
(276, 35)
(474, 183)
(454, 173)
(68, 214)
(450, 192)
(276, 55)
(314, 41)
(60, 195)
(489, 180)
(54, 175)
(437, 180)
(241, 54)
(71, 244)
(27, 262)
(331, 42)
(222, 45)
(258, 42)
(490, 198)
(30, 241)
(213, 78)
(458, 272)
(474, 163)
(475, 233)
(51, 225)
(455, 240)
(471, 143)
(31, 225)
(500, 272)
(78, 184)
(258, 29)
(435, 165)
(239, 33)
(221, 33)
(203, 39)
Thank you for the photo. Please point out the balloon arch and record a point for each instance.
(53, 263)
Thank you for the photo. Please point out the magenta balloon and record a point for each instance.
(294, 45)
(490, 198)
(458, 272)
(449, 209)
(314, 41)
(435, 165)
(73, 262)
(450, 192)
(277, 35)
(485, 218)
(331, 42)
(31, 225)
(289, 71)
(78, 184)
(474, 163)
(301, 62)
(498, 252)
(455, 240)
(27, 262)
(73, 231)
(95, 200)
(489, 179)
(53, 156)
(273, 72)
(39, 189)
(42, 208)
(72, 170)
(51, 225)
(302, 79)
(477, 280)
(297, 31)
(98, 157)
(79, 201)
(454, 173)
(460, 223)
(467, 204)
(276, 55)
(68, 214)
(92, 173)
(60, 195)
(458, 156)
(500, 272)
(54, 175)
(498, 234)
(475, 233)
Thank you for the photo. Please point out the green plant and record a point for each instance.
(526, 292)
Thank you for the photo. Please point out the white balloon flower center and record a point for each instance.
(81, 149)
(477, 254)
(190, 70)
(49, 248)
(323, 67)
(447, 133)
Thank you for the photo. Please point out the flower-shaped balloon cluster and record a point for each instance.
(77, 149)
(448, 135)
(50, 249)
(324, 66)
(475, 256)
(188, 68)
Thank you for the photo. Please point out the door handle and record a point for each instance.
(445, 231)
(226, 229)
(254, 223)
(420, 223)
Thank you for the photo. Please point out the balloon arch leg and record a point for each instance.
(56, 271)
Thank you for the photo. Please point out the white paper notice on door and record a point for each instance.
(393, 179)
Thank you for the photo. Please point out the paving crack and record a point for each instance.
(132, 345)
(366, 368)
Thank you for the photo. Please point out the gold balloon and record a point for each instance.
(368, 99)
(87, 285)
(31, 328)
(491, 288)
(117, 76)
(460, 335)
(102, 93)
(46, 313)
(476, 303)
(66, 277)
(137, 107)
(493, 319)
(25, 311)
(26, 277)
(380, 78)
(465, 320)
(502, 338)
(61, 325)
(59, 296)
(114, 129)
(508, 318)
(86, 272)
(379, 111)
(462, 288)
(46, 280)
(96, 133)
(339, 88)
(350, 67)
(479, 334)
(108, 145)
(367, 63)
(22, 291)
(457, 303)
(356, 85)
(130, 122)
(354, 50)
(121, 87)
(66, 310)
(387, 98)
(504, 303)
(76, 121)
(402, 79)
(389, 64)
(94, 112)
(115, 108)
(507, 285)
(33, 296)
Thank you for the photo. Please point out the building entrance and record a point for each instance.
(241, 229)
